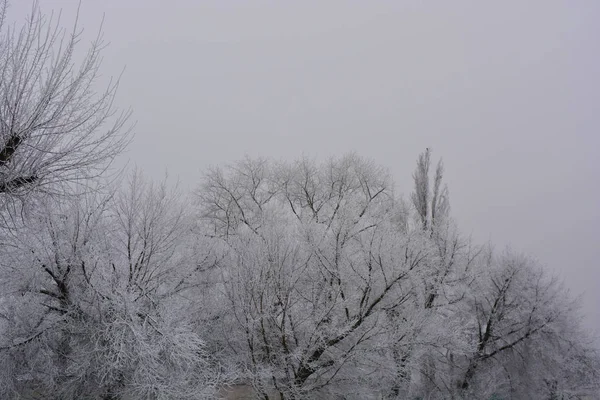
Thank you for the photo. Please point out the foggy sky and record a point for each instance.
(508, 93)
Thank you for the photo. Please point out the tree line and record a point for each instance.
(300, 279)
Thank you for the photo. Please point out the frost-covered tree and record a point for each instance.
(432, 206)
(314, 259)
(106, 282)
(57, 128)
(525, 337)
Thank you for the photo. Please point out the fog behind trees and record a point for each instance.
(298, 276)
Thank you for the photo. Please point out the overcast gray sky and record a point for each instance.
(508, 93)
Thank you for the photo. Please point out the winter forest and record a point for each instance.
(296, 279)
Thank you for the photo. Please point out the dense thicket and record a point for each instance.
(332, 286)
